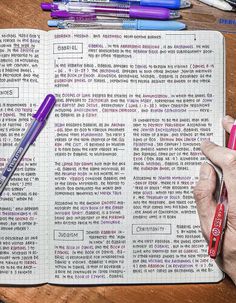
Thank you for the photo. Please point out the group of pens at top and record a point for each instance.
(139, 14)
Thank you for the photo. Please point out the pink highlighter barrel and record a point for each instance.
(220, 217)
(232, 138)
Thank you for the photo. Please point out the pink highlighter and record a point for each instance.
(219, 221)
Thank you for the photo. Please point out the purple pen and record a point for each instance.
(133, 12)
(31, 134)
(112, 10)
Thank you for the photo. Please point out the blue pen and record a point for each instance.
(30, 136)
(119, 24)
(172, 4)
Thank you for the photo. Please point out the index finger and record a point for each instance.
(225, 158)
(221, 156)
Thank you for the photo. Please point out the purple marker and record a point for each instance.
(31, 134)
(113, 10)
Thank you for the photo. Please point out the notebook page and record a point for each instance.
(22, 204)
(132, 109)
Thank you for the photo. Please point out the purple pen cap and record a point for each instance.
(45, 108)
(48, 6)
(137, 11)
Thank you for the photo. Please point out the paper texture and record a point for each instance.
(117, 161)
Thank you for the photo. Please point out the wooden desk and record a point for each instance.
(27, 14)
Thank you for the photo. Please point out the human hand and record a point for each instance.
(206, 204)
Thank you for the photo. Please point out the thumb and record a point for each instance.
(203, 194)
(228, 123)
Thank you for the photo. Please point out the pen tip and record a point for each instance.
(174, 14)
(185, 3)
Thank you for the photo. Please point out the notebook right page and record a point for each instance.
(132, 110)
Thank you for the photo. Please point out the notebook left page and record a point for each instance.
(22, 203)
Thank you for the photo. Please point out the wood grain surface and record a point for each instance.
(27, 14)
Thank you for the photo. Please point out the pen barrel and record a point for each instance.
(19, 152)
(143, 12)
(174, 4)
(96, 7)
(217, 230)
(122, 9)
(152, 25)
(232, 138)
(98, 24)
(71, 15)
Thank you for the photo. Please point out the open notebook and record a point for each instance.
(105, 193)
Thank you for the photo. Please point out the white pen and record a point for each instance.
(134, 24)
(220, 4)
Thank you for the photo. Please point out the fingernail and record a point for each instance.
(205, 171)
(229, 119)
